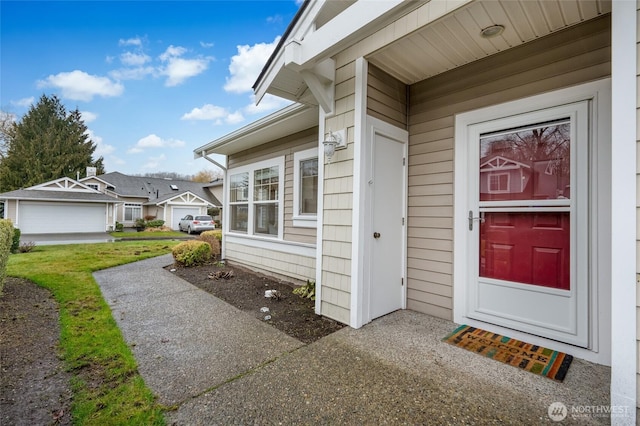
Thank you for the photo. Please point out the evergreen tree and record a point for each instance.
(46, 144)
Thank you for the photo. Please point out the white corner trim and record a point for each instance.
(320, 223)
(623, 209)
(358, 306)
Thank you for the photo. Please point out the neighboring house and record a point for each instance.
(60, 206)
(164, 199)
(96, 203)
(423, 91)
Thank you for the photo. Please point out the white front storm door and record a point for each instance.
(528, 222)
(385, 237)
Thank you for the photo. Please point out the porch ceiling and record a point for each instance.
(455, 39)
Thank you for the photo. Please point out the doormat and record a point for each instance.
(532, 358)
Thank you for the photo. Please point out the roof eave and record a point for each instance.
(289, 120)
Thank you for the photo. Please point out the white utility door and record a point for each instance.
(528, 222)
(386, 239)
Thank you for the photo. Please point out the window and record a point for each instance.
(132, 212)
(1, 209)
(255, 194)
(93, 186)
(498, 182)
(305, 191)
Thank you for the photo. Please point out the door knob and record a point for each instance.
(376, 235)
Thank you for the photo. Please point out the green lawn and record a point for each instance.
(107, 387)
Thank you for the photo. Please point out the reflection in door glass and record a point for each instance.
(527, 163)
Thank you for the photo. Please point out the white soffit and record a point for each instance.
(287, 121)
(454, 40)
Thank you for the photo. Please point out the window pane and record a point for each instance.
(266, 184)
(239, 187)
(266, 219)
(239, 217)
(529, 163)
(309, 186)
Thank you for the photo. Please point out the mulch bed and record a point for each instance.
(245, 290)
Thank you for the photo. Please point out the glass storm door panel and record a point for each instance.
(528, 219)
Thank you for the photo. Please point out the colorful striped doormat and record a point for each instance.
(532, 358)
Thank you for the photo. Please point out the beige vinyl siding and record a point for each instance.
(278, 264)
(569, 57)
(638, 211)
(386, 98)
(283, 147)
(338, 202)
(11, 207)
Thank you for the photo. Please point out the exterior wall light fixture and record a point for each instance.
(333, 141)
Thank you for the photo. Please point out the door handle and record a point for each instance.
(376, 235)
(472, 218)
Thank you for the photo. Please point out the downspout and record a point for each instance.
(223, 249)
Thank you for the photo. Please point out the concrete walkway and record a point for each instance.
(217, 365)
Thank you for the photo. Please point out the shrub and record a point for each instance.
(213, 239)
(140, 224)
(26, 247)
(119, 227)
(155, 223)
(6, 240)
(15, 245)
(191, 253)
(308, 290)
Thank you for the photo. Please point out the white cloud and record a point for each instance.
(206, 45)
(134, 59)
(246, 66)
(179, 69)
(80, 86)
(154, 162)
(102, 149)
(88, 116)
(217, 114)
(135, 41)
(267, 104)
(24, 102)
(155, 141)
(275, 19)
(137, 73)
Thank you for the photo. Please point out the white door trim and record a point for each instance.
(360, 301)
(599, 93)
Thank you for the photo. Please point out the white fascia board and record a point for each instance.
(342, 30)
(304, 25)
(291, 119)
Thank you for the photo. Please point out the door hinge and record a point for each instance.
(402, 282)
(403, 221)
(404, 161)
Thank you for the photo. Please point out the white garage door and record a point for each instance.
(54, 218)
(178, 213)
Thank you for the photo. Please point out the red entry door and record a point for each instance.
(527, 239)
(528, 248)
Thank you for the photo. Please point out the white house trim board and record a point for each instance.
(624, 359)
(359, 309)
(186, 198)
(598, 93)
(320, 223)
(65, 184)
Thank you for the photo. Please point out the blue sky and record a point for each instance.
(153, 80)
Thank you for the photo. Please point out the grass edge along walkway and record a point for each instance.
(107, 388)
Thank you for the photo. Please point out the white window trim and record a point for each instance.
(124, 211)
(300, 220)
(251, 168)
(497, 175)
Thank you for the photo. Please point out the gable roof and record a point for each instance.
(62, 189)
(156, 189)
